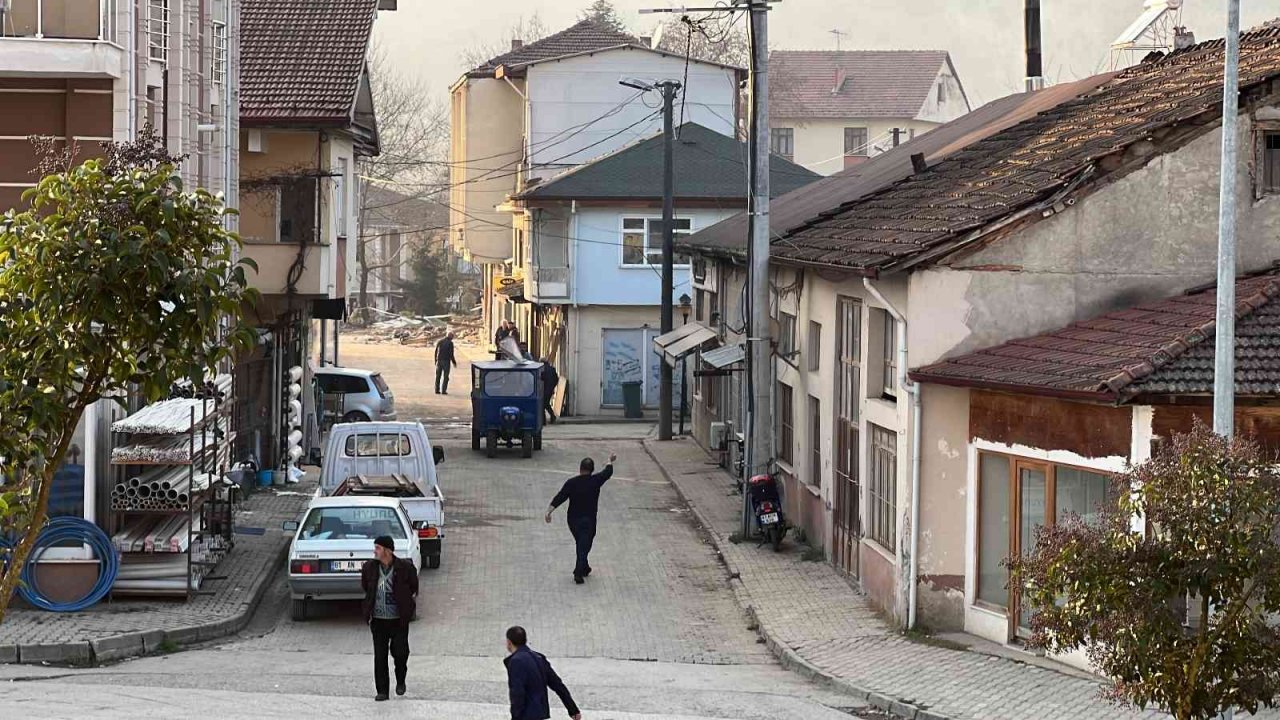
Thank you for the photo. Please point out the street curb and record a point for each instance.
(788, 657)
(145, 642)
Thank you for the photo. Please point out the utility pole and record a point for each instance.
(1224, 364)
(669, 90)
(759, 346)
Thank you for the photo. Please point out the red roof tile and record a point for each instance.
(852, 83)
(302, 60)
(1165, 347)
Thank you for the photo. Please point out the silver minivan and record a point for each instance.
(359, 395)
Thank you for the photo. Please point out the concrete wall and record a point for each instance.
(586, 343)
(488, 132)
(943, 523)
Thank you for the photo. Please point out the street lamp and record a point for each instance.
(686, 304)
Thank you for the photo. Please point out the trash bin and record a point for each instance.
(633, 399)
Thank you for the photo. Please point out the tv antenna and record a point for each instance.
(839, 34)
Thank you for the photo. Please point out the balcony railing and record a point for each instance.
(59, 19)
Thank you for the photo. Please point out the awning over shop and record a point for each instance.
(513, 292)
(682, 341)
(723, 357)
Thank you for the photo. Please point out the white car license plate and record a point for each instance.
(347, 565)
(768, 518)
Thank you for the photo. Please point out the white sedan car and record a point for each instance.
(334, 540)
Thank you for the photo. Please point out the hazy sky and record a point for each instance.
(983, 36)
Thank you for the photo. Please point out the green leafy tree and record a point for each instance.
(116, 279)
(1182, 617)
(603, 11)
(435, 281)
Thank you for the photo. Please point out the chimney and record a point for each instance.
(918, 165)
(1035, 65)
(1183, 38)
(516, 44)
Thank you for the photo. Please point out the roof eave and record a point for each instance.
(1018, 389)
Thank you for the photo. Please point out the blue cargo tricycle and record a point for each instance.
(506, 405)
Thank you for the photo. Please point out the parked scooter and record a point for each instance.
(766, 505)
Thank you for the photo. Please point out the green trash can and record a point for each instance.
(633, 399)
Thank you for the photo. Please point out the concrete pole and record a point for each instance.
(669, 90)
(759, 345)
(1224, 349)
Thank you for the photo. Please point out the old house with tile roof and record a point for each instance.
(1032, 214)
(545, 107)
(830, 110)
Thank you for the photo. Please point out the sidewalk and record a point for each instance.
(819, 625)
(128, 627)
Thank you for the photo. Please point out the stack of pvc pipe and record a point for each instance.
(159, 490)
(168, 534)
(170, 417)
(166, 450)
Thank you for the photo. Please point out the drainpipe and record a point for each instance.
(913, 389)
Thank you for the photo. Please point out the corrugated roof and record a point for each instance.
(586, 36)
(301, 60)
(995, 175)
(708, 165)
(852, 83)
(1160, 348)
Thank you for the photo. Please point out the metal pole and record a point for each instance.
(1224, 349)
(669, 90)
(683, 395)
(760, 348)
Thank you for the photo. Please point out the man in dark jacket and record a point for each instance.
(444, 359)
(550, 379)
(390, 601)
(583, 493)
(529, 675)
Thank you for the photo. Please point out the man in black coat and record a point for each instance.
(550, 379)
(444, 359)
(390, 601)
(583, 493)
(529, 675)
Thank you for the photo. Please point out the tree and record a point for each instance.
(719, 38)
(435, 281)
(115, 280)
(525, 29)
(603, 11)
(1181, 617)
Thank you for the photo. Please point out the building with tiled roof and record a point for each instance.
(831, 110)
(1027, 261)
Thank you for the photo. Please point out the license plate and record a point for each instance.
(347, 565)
(768, 518)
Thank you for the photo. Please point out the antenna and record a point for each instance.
(839, 34)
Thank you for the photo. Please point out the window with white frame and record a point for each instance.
(889, 374)
(642, 240)
(158, 29)
(882, 490)
(219, 69)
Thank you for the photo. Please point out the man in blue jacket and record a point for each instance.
(529, 675)
(583, 493)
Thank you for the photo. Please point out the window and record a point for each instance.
(786, 425)
(642, 240)
(993, 530)
(510, 384)
(381, 384)
(705, 307)
(1271, 162)
(782, 141)
(158, 30)
(378, 445)
(352, 523)
(815, 441)
(889, 375)
(882, 507)
(393, 259)
(815, 346)
(348, 384)
(786, 334)
(855, 141)
(942, 92)
(219, 74)
(340, 196)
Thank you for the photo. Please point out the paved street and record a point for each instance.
(655, 632)
(410, 372)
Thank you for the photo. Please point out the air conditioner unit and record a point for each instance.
(718, 436)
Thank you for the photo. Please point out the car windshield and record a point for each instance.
(377, 445)
(351, 523)
(510, 383)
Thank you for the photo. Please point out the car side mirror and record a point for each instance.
(437, 453)
(289, 526)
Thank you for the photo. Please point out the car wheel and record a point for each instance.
(537, 441)
(299, 610)
(355, 416)
(526, 445)
(433, 561)
(491, 443)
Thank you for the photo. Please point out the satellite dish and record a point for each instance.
(656, 38)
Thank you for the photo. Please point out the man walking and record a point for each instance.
(583, 493)
(529, 675)
(550, 379)
(444, 359)
(390, 600)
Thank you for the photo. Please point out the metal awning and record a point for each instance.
(682, 341)
(723, 357)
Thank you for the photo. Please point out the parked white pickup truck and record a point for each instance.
(389, 459)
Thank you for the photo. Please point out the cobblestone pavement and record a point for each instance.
(115, 628)
(815, 616)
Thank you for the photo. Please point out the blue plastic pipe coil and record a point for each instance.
(70, 530)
